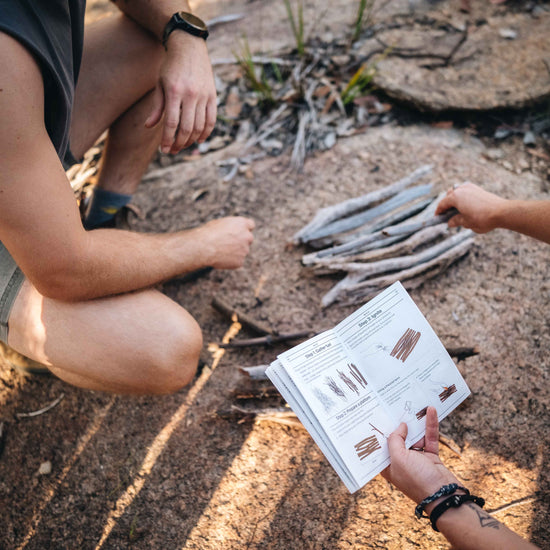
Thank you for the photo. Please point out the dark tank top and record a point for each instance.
(53, 31)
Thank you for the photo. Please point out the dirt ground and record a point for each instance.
(169, 473)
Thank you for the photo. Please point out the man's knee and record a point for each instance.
(176, 356)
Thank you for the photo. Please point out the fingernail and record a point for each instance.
(165, 150)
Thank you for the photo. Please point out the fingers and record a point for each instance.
(158, 107)
(210, 120)
(446, 203)
(431, 443)
(171, 121)
(396, 441)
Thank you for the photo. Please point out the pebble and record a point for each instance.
(494, 153)
(45, 468)
(508, 34)
(529, 138)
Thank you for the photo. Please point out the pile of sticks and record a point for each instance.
(384, 236)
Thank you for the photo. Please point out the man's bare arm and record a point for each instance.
(39, 219)
(185, 97)
(482, 211)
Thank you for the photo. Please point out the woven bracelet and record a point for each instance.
(445, 490)
(453, 501)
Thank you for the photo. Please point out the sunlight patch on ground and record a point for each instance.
(251, 488)
(84, 440)
(162, 438)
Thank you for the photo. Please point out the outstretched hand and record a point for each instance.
(478, 209)
(417, 473)
(185, 94)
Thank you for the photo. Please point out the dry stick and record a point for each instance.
(354, 244)
(256, 372)
(449, 443)
(264, 392)
(410, 211)
(41, 411)
(358, 272)
(361, 290)
(401, 248)
(299, 149)
(357, 220)
(504, 507)
(244, 319)
(334, 212)
(266, 340)
(406, 229)
(448, 256)
(278, 415)
(401, 214)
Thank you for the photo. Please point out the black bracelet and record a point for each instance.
(453, 502)
(445, 490)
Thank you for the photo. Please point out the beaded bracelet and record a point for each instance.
(453, 501)
(445, 490)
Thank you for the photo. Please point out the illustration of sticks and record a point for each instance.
(446, 393)
(405, 344)
(334, 387)
(421, 413)
(367, 447)
(356, 373)
(349, 383)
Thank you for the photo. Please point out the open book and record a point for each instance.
(351, 386)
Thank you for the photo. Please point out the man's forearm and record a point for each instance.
(531, 218)
(113, 261)
(471, 528)
(152, 15)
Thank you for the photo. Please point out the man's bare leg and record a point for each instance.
(141, 342)
(119, 71)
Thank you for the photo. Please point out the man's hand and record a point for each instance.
(185, 93)
(418, 474)
(478, 209)
(226, 241)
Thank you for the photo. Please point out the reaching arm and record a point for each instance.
(185, 94)
(420, 474)
(482, 211)
(39, 219)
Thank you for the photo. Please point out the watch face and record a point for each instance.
(192, 20)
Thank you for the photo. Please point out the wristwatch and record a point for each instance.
(186, 22)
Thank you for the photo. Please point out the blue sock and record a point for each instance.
(103, 207)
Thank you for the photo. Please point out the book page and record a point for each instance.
(341, 402)
(403, 360)
(381, 366)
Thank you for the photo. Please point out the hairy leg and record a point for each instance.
(119, 70)
(141, 342)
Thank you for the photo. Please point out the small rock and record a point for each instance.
(508, 166)
(502, 133)
(329, 140)
(45, 468)
(494, 153)
(523, 165)
(529, 139)
(508, 34)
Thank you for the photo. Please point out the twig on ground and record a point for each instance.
(245, 320)
(41, 411)
(268, 340)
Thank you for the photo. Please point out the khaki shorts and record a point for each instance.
(11, 279)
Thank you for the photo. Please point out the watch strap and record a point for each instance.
(178, 22)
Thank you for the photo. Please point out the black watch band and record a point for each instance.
(186, 22)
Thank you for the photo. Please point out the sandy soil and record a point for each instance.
(169, 473)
